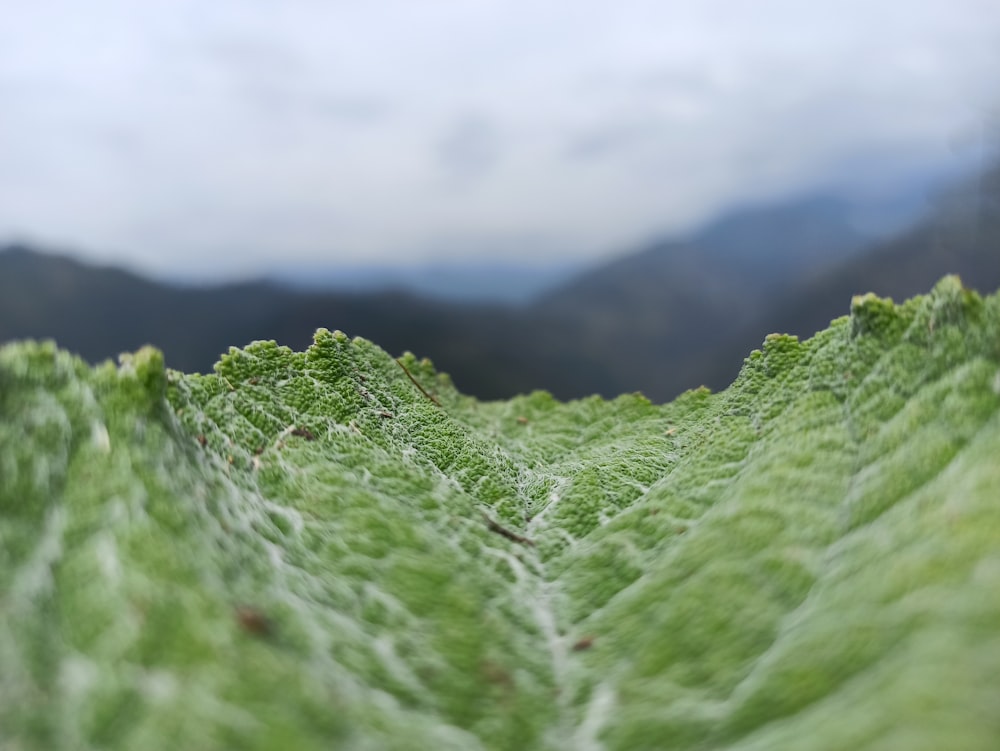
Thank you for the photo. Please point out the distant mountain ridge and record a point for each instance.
(662, 308)
(962, 235)
(490, 282)
(675, 315)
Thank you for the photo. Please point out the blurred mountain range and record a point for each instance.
(456, 281)
(674, 315)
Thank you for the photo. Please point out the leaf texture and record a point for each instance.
(335, 549)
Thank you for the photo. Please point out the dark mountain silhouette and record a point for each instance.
(98, 312)
(651, 316)
(960, 236)
(675, 315)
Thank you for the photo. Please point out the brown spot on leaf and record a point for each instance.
(496, 674)
(253, 621)
(504, 532)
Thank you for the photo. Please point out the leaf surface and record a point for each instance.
(333, 549)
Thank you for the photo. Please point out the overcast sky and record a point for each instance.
(233, 135)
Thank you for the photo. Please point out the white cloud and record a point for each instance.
(235, 134)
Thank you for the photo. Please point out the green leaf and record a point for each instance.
(333, 549)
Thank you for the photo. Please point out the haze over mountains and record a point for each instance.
(674, 315)
(457, 281)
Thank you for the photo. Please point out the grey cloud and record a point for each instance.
(274, 79)
(642, 110)
(279, 103)
(470, 148)
(684, 80)
(668, 109)
(526, 243)
(613, 138)
(247, 57)
(354, 108)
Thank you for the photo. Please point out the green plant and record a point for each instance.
(305, 550)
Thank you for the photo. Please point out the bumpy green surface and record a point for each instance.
(303, 551)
